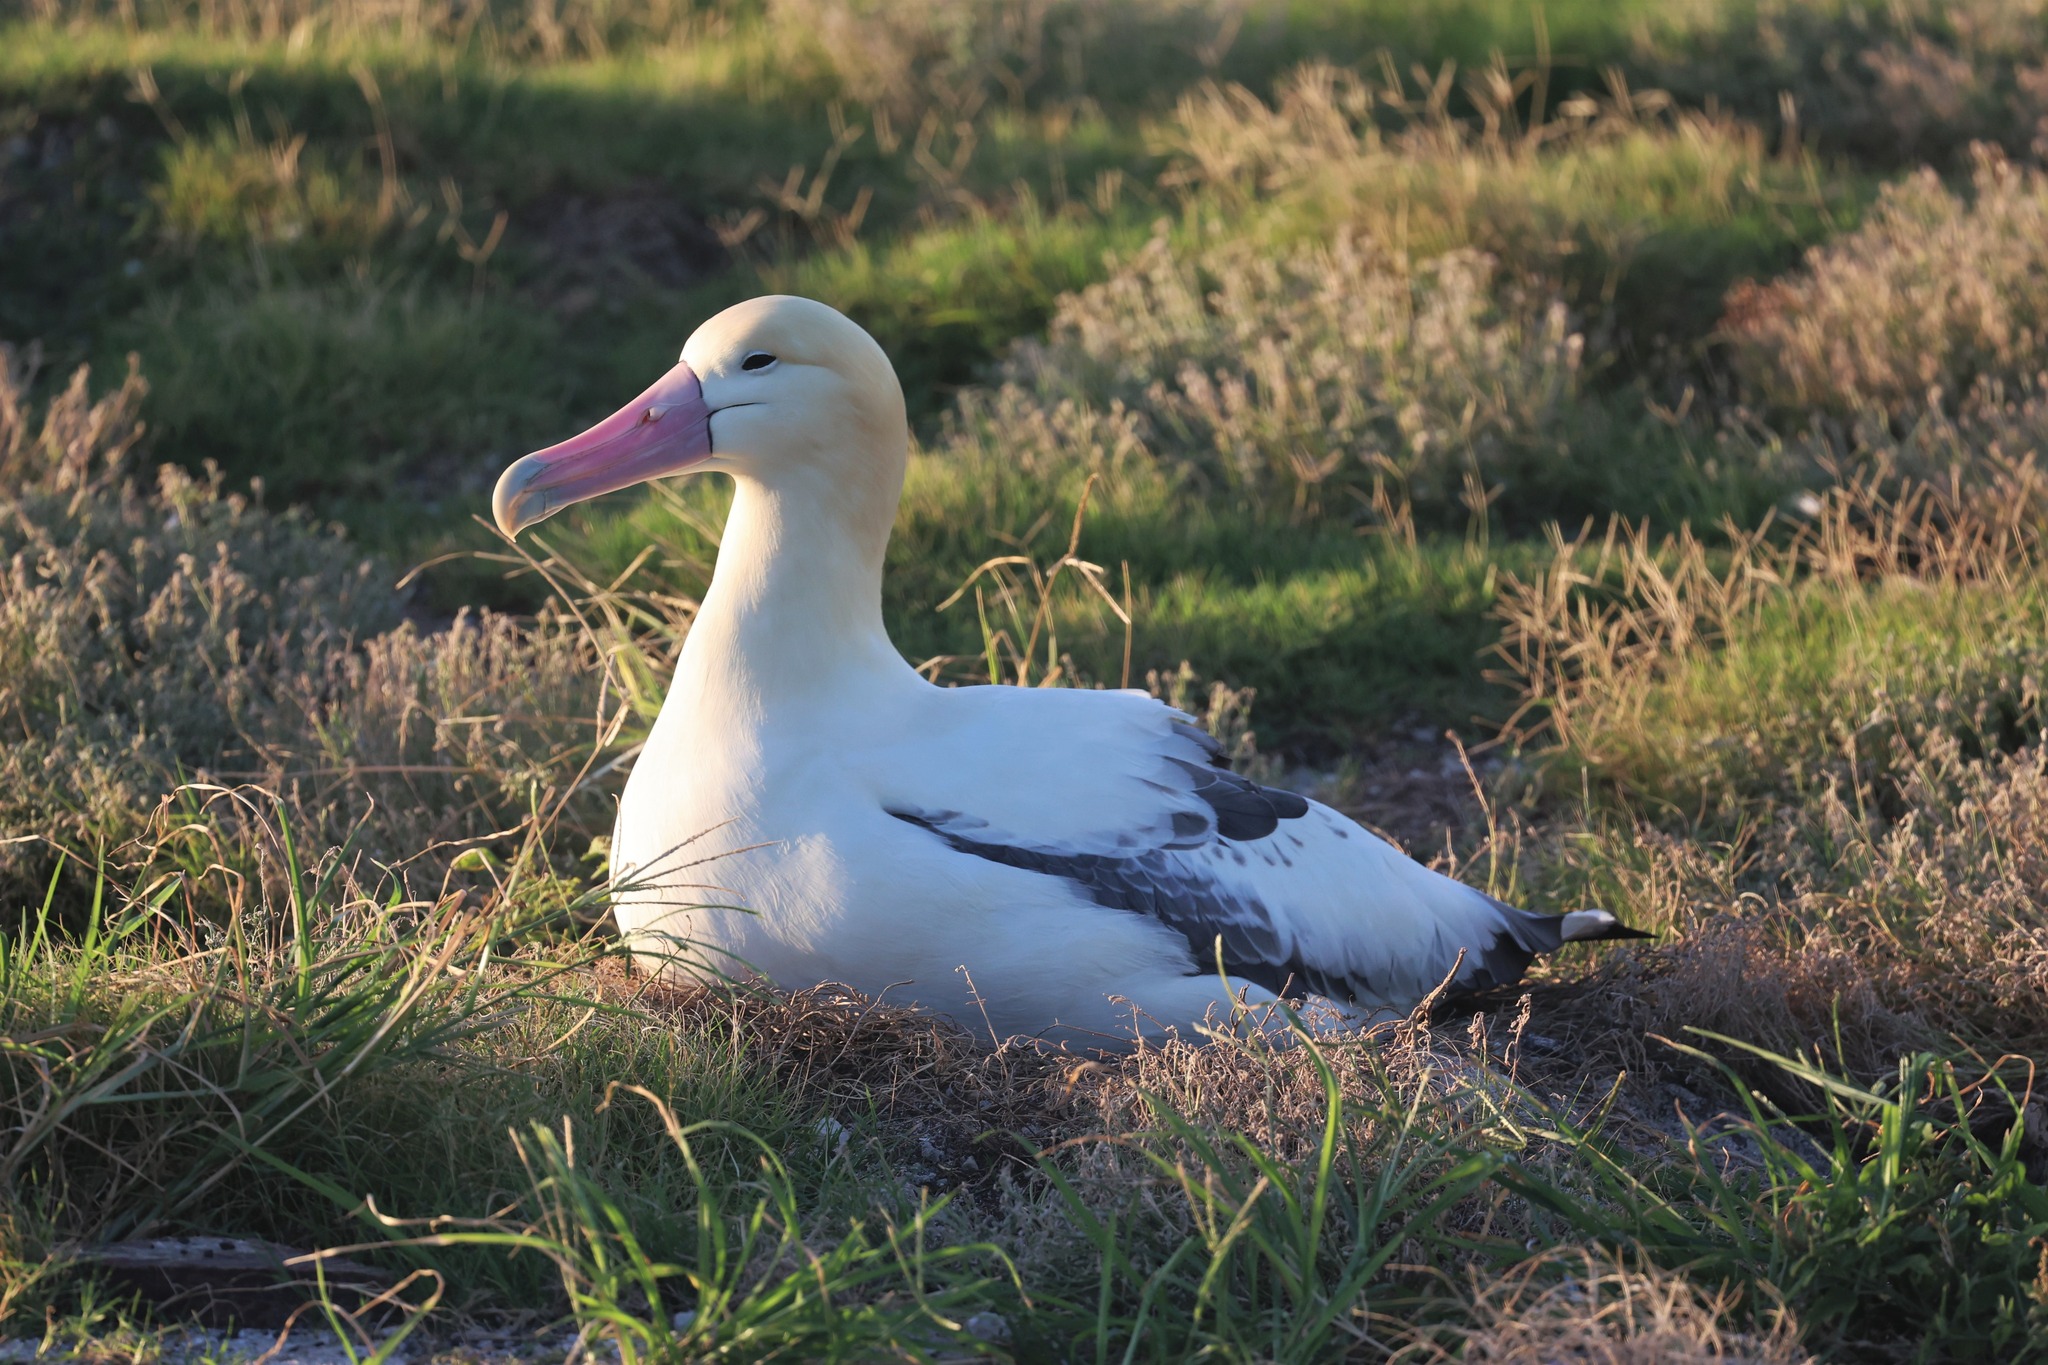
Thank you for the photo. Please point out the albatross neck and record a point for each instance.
(795, 604)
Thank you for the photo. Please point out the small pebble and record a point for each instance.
(992, 1328)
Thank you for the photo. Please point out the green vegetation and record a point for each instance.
(1650, 395)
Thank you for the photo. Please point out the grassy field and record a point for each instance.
(1597, 443)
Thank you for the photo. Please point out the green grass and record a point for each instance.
(1901, 1222)
(344, 391)
(363, 1054)
(947, 301)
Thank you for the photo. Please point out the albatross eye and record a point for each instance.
(759, 360)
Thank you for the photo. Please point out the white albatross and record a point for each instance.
(1066, 863)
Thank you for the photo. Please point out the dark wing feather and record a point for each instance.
(1174, 885)
(1244, 810)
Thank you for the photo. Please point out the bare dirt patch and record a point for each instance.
(1413, 785)
(589, 244)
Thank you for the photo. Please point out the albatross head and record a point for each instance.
(774, 389)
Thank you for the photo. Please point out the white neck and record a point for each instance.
(794, 611)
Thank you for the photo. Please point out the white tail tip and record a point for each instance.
(1584, 924)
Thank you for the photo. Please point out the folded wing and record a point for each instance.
(1133, 806)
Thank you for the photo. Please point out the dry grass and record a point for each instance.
(1895, 83)
(1298, 379)
(1826, 929)
(1813, 753)
(156, 637)
(1633, 647)
(1932, 296)
(952, 1111)
(1593, 1307)
(1340, 126)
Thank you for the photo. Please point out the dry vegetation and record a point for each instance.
(1296, 380)
(1900, 83)
(1882, 322)
(1697, 444)
(1602, 1310)
(179, 635)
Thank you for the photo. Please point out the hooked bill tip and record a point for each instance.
(510, 499)
(666, 430)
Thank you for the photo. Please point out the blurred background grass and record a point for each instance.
(369, 253)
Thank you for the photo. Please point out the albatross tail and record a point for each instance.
(1524, 936)
(1539, 934)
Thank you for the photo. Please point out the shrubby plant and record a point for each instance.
(143, 628)
(157, 636)
(1931, 296)
(1291, 381)
(1893, 83)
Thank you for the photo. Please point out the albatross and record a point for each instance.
(1068, 863)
